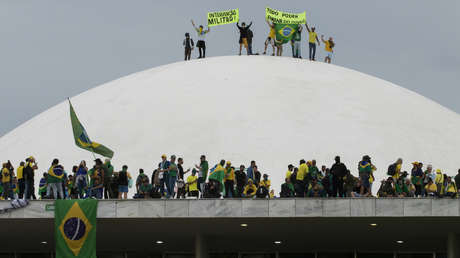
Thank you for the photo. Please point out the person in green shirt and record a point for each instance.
(145, 189)
(172, 177)
(296, 43)
(108, 173)
(203, 173)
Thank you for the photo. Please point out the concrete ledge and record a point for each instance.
(275, 208)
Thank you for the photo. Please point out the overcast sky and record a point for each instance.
(53, 49)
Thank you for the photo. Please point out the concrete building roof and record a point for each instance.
(301, 225)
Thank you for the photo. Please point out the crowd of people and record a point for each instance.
(246, 36)
(170, 180)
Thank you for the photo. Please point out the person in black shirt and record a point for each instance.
(180, 178)
(250, 36)
(244, 36)
(257, 176)
(338, 171)
(240, 177)
(188, 44)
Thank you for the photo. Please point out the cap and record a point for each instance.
(438, 170)
(163, 156)
(229, 163)
(415, 163)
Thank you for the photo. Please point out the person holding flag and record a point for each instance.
(271, 37)
(54, 180)
(217, 175)
(312, 39)
(200, 44)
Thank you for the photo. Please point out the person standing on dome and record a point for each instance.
(201, 37)
(312, 39)
(296, 43)
(271, 37)
(329, 45)
(244, 36)
(188, 44)
(29, 171)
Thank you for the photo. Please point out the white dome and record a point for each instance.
(238, 108)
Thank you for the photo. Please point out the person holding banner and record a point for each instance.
(271, 37)
(244, 36)
(329, 45)
(201, 36)
(312, 39)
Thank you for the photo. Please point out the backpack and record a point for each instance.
(392, 169)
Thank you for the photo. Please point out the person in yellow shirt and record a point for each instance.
(192, 184)
(289, 172)
(312, 39)
(329, 45)
(439, 181)
(271, 37)
(250, 189)
(6, 180)
(397, 169)
(300, 179)
(229, 180)
(20, 177)
(451, 188)
(265, 183)
(430, 188)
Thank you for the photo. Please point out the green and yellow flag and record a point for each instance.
(75, 228)
(81, 137)
(285, 32)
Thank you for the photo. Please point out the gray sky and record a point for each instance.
(53, 49)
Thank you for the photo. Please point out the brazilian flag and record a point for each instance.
(75, 228)
(218, 174)
(81, 137)
(285, 32)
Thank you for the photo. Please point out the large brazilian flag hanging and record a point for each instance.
(82, 139)
(285, 32)
(75, 228)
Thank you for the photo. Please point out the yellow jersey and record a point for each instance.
(192, 186)
(229, 174)
(272, 33)
(452, 188)
(327, 46)
(250, 190)
(6, 175)
(397, 172)
(265, 184)
(19, 172)
(288, 174)
(431, 187)
(303, 170)
(312, 37)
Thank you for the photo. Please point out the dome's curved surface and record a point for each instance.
(272, 110)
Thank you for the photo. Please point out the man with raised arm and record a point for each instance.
(312, 39)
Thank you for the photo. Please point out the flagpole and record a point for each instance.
(92, 150)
